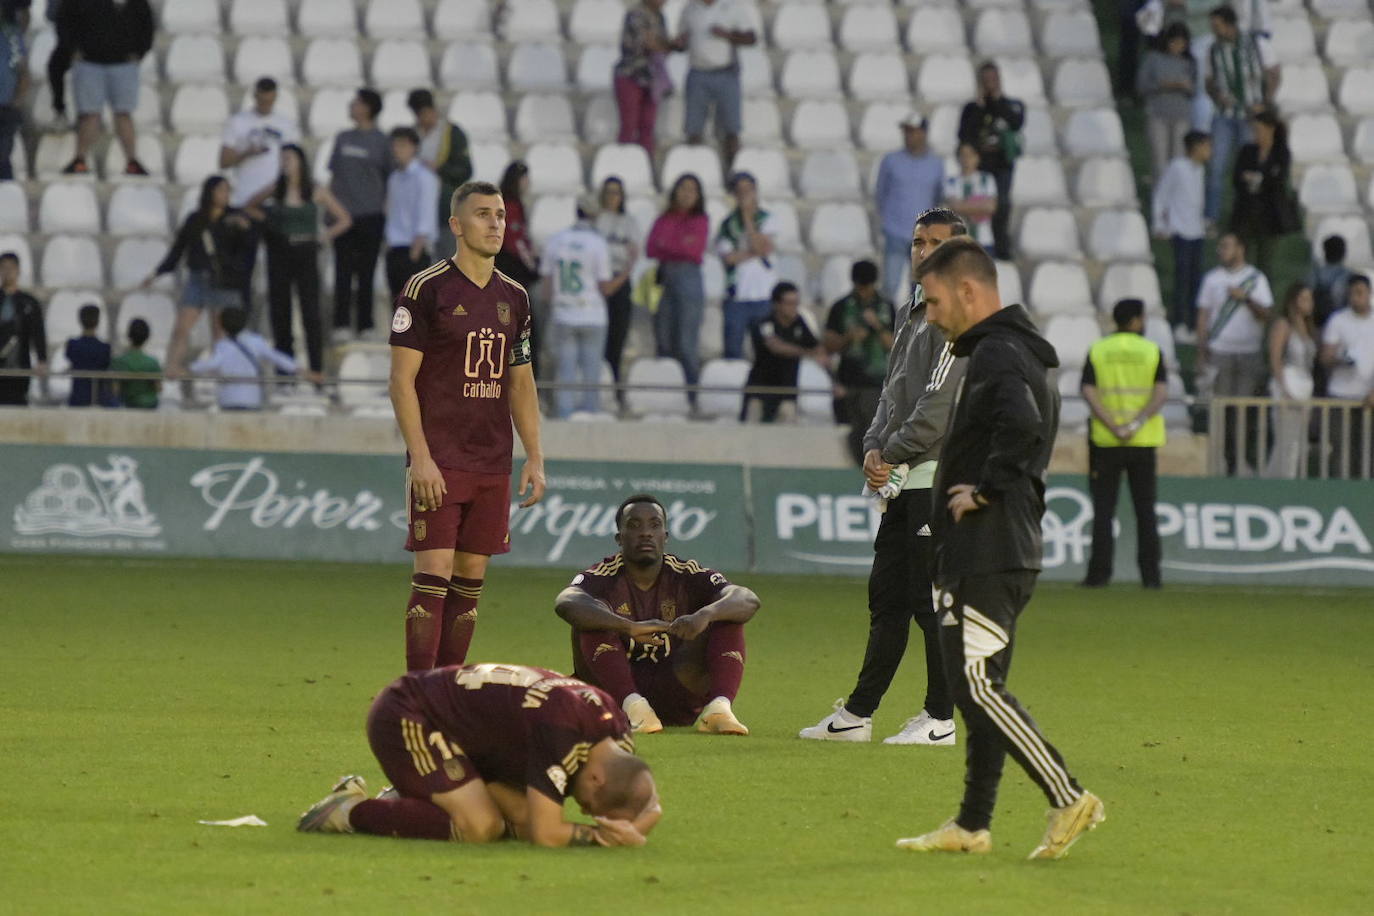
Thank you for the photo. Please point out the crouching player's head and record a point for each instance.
(617, 785)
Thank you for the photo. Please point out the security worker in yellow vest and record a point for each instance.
(1125, 385)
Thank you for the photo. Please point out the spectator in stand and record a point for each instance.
(781, 341)
(861, 329)
(746, 247)
(641, 74)
(88, 353)
(992, 123)
(1292, 352)
(622, 234)
(215, 241)
(137, 393)
(1261, 212)
(23, 341)
(252, 143)
(678, 241)
(289, 211)
(517, 258)
(1348, 354)
(910, 181)
(1330, 283)
(443, 148)
(1177, 216)
(1241, 85)
(59, 62)
(1167, 81)
(1233, 307)
(711, 31)
(240, 354)
(108, 39)
(412, 202)
(1129, 38)
(14, 84)
(973, 195)
(577, 278)
(358, 166)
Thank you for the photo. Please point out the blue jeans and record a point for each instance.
(1228, 136)
(739, 315)
(677, 323)
(579, 350)
(896, 261)
(712, 88)
(1187, 279)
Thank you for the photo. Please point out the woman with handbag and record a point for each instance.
(678, 240)
(1292, 352)
(1265, 207)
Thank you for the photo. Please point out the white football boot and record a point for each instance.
(840, 725)
(643, 719)
(924, 729)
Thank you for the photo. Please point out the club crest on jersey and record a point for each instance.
(400, 322)
(667, 610)
(453, 768)
(421, 529)
(503, 312)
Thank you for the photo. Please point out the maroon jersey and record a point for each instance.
(517, 725)
(470, 337)
(683, 587)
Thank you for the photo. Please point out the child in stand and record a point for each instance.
(88, 353)
(137, 392)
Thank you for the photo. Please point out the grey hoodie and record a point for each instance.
(918, 394)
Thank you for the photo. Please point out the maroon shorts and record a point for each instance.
(416, 757)
(475, 516)
(661, 684)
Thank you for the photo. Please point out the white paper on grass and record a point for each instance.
(248, 820)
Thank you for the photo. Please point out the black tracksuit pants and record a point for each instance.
(977, 626)
(898, 591)
(1105, 467)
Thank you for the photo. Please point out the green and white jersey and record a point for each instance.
(576, 260)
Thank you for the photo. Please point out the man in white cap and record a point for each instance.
(909, 182)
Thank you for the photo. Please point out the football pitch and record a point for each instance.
(1226, 729)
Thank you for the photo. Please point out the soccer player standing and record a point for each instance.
(988, 543)
(460, 374)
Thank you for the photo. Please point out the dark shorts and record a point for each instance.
(661, 684)
(475, 516)
(416, 758)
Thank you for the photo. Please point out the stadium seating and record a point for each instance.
(264, 55)
(461, 19)
(670, 404)
(195, 58)
(259, 17)
(327, 18)
(69, 207)
(729, 374)
(769, 168)
(72, 261)
(14, 208)
(190, 16)
(394, 19)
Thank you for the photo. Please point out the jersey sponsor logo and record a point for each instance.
(400, 322)
(559, 778)
(89, 502)
(486, 352)
(503, 312)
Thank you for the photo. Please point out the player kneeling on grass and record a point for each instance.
(478, 753)
(662, 635)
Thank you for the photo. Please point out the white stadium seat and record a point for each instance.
(54, 152)
(1038, 135)
(659, 372)
(755, 71)
(1355, 231)
(61, 317)
(530, 20)
(830, 175)
(841, 228)
(544, 117)
(1072, 336)
(469, 65)
(1048, 232)
(400, 64)
(14, 207)
(1105, 182)
(332, 62)
(1082, 83)
(945, 79)
(722, 373)
(1363, 143)
(198, 109)
(1021, 79)
(816, 403)
(1002, 31)
(1059, 287)
(594, 67)
(197, 158)
(394, 19)
(596, 21)
(138, 209)
(1095, 132)
(601, 120)
(329, 111)
(157, 309)
(458, 19)
(555, 168)
(627, 161)
(1341, 9)
(1070, 33)
(1119, 235)
(762, 120)
(820, 124)
(537, 68)
(1125, 281)
(259, 17)
(71, 261)
(803, 26)
(148, 149)
(185, 16)
(1316, 138)
(327, 18)
(264, 55)
(1356, 92)
(1009, 283)
(1328, 189)
(395, 113)
(784, 225)
(489, 160)
(935, 30)
(1303, 87)
(869, 27)
(879, 128)
(833, 282)
(811, 74)
(1038, 180)
(1351, 44)
(551, 213)
(703, 161)
(482, 115)
(879, 76)
(195, 58)
(1292, 40)
(69, 206)
(769, 167)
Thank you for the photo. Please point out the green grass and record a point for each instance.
(1227, 731)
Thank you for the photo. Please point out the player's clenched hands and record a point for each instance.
(427, 485)
(532, 479)
(962, 501)
(611, 832)
(876, 469)
(689, 626)
(648, 632)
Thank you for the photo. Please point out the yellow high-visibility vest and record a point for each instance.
(1125, 364)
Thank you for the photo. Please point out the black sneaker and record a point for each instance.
(77, 166)
(135, 168)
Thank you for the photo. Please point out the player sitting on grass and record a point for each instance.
(476, 753)
(662, 635)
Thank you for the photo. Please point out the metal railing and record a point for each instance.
(1263, 437)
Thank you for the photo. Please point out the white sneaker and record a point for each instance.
(643, 719)
(840, 725)
(924, 729)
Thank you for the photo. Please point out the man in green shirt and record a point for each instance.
(860, 329)
(136, 392)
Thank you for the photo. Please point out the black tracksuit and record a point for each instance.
(1000, 438)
